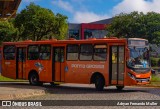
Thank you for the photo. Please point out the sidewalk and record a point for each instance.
(19, 90)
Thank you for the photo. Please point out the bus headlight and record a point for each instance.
(131, 76)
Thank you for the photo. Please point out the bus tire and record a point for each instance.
(54, 84)
(34, 79)
(120, 87)
(99, 83)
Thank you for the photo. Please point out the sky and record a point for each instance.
(85, 11)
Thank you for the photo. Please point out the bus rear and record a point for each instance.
(138, 65)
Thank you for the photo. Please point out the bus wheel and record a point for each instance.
(53, 84)
(120, 87)
(99, 83)
(34, 79)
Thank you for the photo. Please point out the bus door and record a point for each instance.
(58, 64)
(20, 63)
(116, 65)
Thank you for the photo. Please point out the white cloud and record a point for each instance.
(145, 6)
(80, 14)
(86, 17)
(64, 5)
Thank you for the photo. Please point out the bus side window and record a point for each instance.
(100, 52)
(72, 52)
(86, 51)
(45, 52)
(9, 52)
(114, 54)
(33, 52)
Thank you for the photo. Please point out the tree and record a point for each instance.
(7, 31)
(138, 25)
(37, 23)
(61, 25)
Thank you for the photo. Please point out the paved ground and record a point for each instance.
(16, 90)
(88, 92)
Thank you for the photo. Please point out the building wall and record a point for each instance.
(93, 30)
(87, 30)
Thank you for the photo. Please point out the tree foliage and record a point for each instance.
(37, 23)
(138, 25)
(7, 31)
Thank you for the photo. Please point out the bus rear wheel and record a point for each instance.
(99, 83)
(120, 87)
(34, 79)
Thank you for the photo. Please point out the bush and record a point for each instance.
(155, 78)
(159, 62)
(154, 62)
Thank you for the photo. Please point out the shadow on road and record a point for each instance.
(78, 89)
(84, 90)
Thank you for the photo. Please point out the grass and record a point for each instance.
(155, 58)
(5, 79)
(157, 84)
(155, 81)
(155, 68)
(155, 78)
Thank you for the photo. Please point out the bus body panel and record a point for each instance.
(9, 69)
(43, 68)
(81, 71)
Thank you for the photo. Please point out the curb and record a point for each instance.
(149, 86)
(14, 81)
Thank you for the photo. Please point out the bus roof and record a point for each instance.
(71, 41)
(137, 39)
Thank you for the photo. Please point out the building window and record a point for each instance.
(74, 34)
(93, 33)
(9, 52)
(72, 52)
(100, 52)
(87, 34)
(33, 52)
(45, 52)
(86, 52)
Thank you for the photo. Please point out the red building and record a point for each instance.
(89, 30)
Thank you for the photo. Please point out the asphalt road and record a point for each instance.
(88, 92)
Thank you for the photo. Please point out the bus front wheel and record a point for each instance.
(99, 83)
(120, 87)
(34, 79)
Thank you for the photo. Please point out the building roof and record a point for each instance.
(8, 8)
(105, 21)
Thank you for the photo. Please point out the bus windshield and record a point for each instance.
(139, 57)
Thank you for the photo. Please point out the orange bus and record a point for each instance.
(103, 62)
